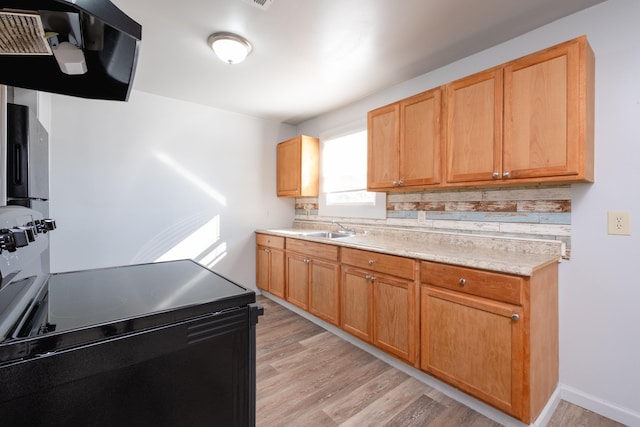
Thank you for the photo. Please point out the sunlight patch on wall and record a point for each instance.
(195, 244)
(191, 177)
(214, 256)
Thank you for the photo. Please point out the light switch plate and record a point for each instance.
(619, 222)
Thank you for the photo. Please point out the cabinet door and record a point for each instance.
(420, 139)
(298, 280)
(474, 127)
(383, 132)
(276, 276)
(543, 113)
(356, 299)
(394, 316)
(474, 344)
(289, 158)
(262, 267)
(324, 284)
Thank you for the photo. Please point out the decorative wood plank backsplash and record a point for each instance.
(540, 212)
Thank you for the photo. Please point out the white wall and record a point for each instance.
(133, 182)
(599, 286)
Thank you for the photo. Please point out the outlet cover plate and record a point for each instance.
(619, 222)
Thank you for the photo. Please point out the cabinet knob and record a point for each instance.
(401, 182)
(505, 174)
(394, 183)
(267, 250)
(373, 278)
(515, 316)
(307, 260)
(462, 281)
(496, 175)
(371, 262)
(367, 277)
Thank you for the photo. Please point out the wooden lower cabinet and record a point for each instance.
(313, 275)
(356, 295)
(270, 262)
(379, 308)
(394, 316)
(503, 353)
(492, 335)
(474, 345)
(298, 280)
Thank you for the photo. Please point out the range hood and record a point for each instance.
(83, 48)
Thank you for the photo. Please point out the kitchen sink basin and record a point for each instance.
(330, 234)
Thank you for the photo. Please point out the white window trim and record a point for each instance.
(378, 210)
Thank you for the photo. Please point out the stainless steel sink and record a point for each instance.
(330, 234)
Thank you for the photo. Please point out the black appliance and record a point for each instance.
(158, 344)
(27, 160)
(106, 37)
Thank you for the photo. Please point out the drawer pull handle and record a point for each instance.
(462, 282)
(371, 262)
(514, 316)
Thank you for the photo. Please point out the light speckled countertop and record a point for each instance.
(501, 254)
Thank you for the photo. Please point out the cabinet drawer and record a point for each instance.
(389, 264)
(496, 286)
(270, 241)
(312, 249)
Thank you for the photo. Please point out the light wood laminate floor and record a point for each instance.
(307, 376)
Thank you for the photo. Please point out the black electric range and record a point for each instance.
(157, 344)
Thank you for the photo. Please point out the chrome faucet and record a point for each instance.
(343, 228)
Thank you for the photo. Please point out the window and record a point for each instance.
(343, 185)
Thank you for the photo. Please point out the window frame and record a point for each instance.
(375, 210)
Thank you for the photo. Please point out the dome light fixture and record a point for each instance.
(230, 48)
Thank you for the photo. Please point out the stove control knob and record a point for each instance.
(29, 231)
(43, 225)
(20, 237)
(50, 224)
(7, 241)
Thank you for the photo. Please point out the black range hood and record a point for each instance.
(108, 38)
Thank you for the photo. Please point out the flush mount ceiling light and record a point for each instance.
(230, 48)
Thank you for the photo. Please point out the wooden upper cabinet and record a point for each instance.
(383, 126)
(474, 127)
(421, 139)
(297, 167)
(527, 121)
(404, 142)
(548, 113)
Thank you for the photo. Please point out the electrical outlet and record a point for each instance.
(619, 223)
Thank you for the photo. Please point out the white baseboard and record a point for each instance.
(562, 392)
(606, 409)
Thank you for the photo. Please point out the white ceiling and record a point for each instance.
(310, 57)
